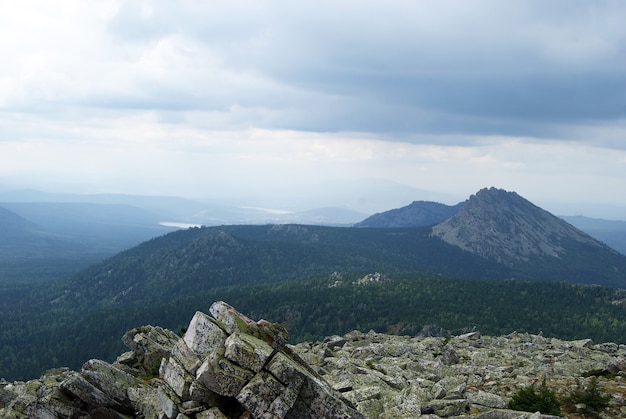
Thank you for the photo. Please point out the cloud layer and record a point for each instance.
(448, 94)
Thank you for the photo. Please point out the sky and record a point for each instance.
(288, 104)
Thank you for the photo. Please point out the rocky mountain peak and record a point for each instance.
(498, 224)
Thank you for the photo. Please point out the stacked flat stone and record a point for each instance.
(232, 356)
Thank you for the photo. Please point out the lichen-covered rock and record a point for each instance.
(145, 400)
(486, 399)
(616, 365)
(230, 319)
(488, 372)
(512, 414)
(447, 407)
(177, 377)
(272, 333)
(90, 395)
(110, 380)
(317, 400)
(247, 351)
(149, 344)
(186, 357)
(166, 404)
(204, 335)
(222, 376)
(223, 367)
(265, 396)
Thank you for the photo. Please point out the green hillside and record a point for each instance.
(302, 276)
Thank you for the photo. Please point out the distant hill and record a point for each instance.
(41, 241)
(165, 206)
(150, 210)
(108, 228)
(327, 216)
(14, 227)
(611, 232)
(502, 226)
(21, 238)
(194, 260)
(416, 214)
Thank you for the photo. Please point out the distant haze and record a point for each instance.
(296, 105)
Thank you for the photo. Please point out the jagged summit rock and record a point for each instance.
(416, 214)
(225, 366)
(502, 225)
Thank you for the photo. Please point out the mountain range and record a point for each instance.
(518, 238)
(73, 229)
(428, 213)
(179, 210)
(114, 222)
(47, 236)
(495, 235)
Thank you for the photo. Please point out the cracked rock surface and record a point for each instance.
(469, 375)
(225, 366)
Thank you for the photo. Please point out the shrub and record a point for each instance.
(591, 398)
(154, 370)
(536, 398)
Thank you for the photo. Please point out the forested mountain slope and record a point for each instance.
(303, 275)
(37, 336)
(194, 260)
(416, 214)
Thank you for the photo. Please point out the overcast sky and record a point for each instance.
(264, 102)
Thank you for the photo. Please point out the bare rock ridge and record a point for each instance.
(502, 225)
(229, 366)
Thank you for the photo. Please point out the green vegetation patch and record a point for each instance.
(588, 399)
(536, 399)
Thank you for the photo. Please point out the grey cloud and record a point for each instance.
(482, 67)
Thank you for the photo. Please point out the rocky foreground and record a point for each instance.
(228, 366)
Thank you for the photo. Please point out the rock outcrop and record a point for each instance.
(225, 366)
(229, 366)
